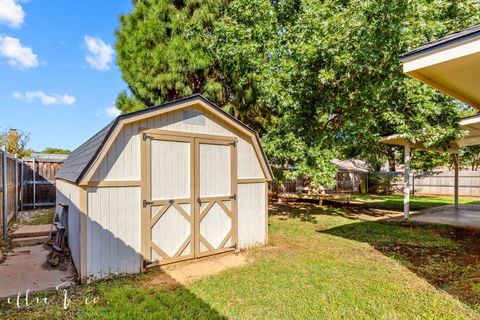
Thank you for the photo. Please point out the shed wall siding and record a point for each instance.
(123, 160)
(251, 215)
(69, 194)
(113, 231)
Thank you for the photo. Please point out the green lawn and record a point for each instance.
(320, 263)
(395, 202)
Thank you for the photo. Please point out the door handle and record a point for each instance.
(146, 203)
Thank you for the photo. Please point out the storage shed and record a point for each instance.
(174, 182)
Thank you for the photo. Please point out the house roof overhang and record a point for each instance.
(450, 64)
(469, 124)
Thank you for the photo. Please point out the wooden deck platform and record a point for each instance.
(336, 197)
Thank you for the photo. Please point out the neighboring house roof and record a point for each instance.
(47, 156)
(82, 158)
(346, 165)
(449, 40)
(350, 165)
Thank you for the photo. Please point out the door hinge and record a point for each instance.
(234, 144)
(146, 203)
(146, 263)
(234, 197)
(146, 136)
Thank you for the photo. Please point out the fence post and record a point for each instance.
(22, 183)
(16, 187)
(33, 185)
(4, 192)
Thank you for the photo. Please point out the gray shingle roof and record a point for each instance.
(80, 160)
(450, 39)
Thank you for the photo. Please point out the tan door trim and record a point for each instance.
(251, 180)
(114, 183)
(188, 134)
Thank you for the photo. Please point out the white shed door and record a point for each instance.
(169, 181)
(216, 186)
(189, 193)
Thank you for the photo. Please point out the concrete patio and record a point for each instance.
(465, 216)
(24, 269)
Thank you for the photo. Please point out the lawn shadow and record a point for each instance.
(447, 257)
(303, 212)
(307, 212)
(154, 295)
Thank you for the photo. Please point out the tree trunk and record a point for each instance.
(391, 159)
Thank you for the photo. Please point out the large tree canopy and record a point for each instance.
(162, 52)
(316, 78)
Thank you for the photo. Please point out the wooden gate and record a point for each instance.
(189, 192)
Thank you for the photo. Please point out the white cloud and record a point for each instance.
(112, 112)
(44, 98)
(99, 55)
(16, 54)
(11, 13)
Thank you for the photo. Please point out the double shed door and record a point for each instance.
(189, 204)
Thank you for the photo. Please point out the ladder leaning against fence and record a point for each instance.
(58, 230)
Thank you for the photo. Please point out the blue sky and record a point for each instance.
(58, 77)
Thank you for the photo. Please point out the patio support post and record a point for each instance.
(455, 165)
(406, 183)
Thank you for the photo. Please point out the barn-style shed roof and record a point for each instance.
(81, 159)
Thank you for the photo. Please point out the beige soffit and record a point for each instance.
(450, 65)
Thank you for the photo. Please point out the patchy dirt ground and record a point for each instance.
(39, 216)
(185, 272)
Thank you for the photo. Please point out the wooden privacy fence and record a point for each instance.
(8, 191)
(425, 183)
(38, 181)
(346, 181)
(25, 184)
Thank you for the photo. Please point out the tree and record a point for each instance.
(15, 142)
(162, 52)
(50, 150)
(343, 81)
(430, 160)
(470, 158)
